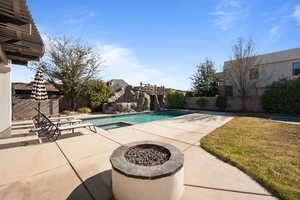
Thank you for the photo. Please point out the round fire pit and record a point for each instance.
(147, 170)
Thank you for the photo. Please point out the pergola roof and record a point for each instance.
(19, 37)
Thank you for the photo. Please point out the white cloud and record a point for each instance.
(274, 33)
(226, 13)
(296, 13)
(122, 63)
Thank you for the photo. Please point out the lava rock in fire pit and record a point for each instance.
(147, 155)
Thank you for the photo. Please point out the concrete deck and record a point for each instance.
(78, 167)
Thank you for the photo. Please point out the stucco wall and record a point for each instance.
(24, 108)
(191, 103)
(268, 74)
(253, 104)
(272, 67)
(127, 188)
(5, 100)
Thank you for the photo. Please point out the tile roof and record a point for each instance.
(28, 86)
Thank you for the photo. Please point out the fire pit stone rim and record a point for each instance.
(170, 167)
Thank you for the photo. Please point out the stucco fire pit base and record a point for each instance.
(137, 182)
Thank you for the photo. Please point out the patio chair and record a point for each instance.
(61, 118)
(39, 123)
(52, 130)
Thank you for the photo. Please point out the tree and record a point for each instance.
(69, 64)
(204, 81)
(242, 71)
(175, 99)
(97, 92)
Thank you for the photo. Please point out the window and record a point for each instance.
(296, 69)
(253, 74)
(228, 90)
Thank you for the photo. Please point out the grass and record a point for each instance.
(268, 151)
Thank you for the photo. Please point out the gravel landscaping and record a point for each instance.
(147, 155)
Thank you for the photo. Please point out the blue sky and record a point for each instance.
(161, 42)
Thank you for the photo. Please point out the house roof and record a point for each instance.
(28, 87)
(19, 37)
(220, 76)
(117, 81)
(279, 56)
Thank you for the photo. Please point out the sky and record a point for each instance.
(161, 42)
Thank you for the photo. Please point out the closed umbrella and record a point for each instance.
(39, 92)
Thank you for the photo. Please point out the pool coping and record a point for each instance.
(109, 123)
(116, 122)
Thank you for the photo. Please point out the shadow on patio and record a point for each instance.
(98, 187)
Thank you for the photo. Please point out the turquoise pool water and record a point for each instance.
(137, 118)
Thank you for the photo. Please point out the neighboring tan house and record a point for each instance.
(117, 84)
(272, 67)
(20, 42)
(23, 90)
(22, 102)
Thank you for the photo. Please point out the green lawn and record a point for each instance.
(266, 150)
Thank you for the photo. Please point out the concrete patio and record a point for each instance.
(79, 168)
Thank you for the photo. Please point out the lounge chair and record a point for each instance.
(52, 130)
(61, 118)
(39, 122)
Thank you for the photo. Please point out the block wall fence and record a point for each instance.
(23, 109)
(234, 104)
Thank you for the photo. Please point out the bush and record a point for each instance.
(175, 99)
(189, 94)
(282, 96)
(201, 101)
(84, 110)
(221, 102)
(97, 92)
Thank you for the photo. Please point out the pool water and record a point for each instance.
(134, 118)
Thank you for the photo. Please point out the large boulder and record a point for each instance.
(112, 108)
(143, 102)
(127, 100)
(117, 95)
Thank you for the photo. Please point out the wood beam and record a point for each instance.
(5, 64)
(3, 56)
(16, 8)
(19, 38)
(26, 28)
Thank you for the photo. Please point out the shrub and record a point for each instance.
(97, 92)
(84, 110)
(282, 96)
(66, 112)
(201, 101)
(189, 94)
(69, 112)
(175, 99)
(221, 102)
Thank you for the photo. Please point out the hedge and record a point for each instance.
(175, 99)
(282, 96)
(221, 102)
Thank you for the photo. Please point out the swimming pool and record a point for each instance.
(134, 118)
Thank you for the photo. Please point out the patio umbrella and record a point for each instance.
(39, 92)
